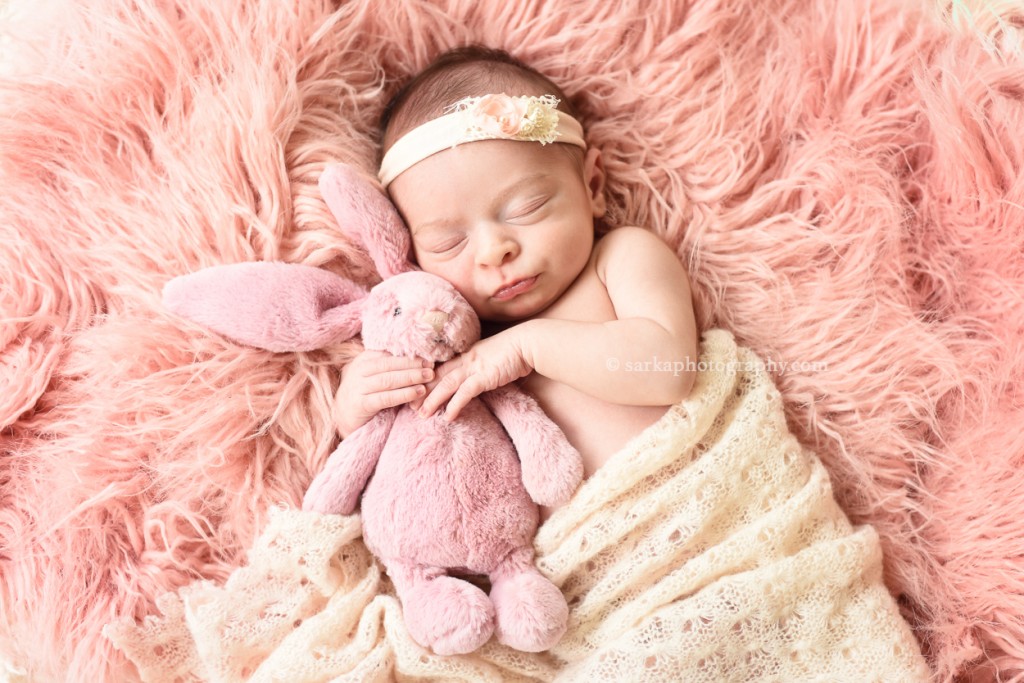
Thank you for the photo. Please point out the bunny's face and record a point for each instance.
(418, 314)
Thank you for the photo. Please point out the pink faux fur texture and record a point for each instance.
(845, 181)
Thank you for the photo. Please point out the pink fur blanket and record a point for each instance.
(844, 180)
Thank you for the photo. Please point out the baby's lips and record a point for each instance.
(514, 288)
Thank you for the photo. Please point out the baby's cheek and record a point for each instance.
(449, 271)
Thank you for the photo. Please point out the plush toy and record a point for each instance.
(438, 497)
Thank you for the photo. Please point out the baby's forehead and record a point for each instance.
(484, 166)
(478, 175)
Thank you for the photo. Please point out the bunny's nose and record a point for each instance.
(435, 319)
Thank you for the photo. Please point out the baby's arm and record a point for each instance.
(374, 381)
(639, 358)
(647, 354)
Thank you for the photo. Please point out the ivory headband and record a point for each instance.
(489, 117)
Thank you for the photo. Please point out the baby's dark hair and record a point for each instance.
(463, 72)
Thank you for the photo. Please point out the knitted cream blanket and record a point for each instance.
(708, 549)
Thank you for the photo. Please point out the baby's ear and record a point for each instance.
(593, 176)
(274, 306)
(366, 215)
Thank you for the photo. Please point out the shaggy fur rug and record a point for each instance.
(844, 180)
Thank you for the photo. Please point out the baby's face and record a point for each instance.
(510, 224)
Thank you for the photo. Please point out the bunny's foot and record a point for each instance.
(445, 614)
(530, 611)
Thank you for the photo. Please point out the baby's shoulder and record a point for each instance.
(631, 243)
(629, 237)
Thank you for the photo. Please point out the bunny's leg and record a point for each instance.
(552, 468)
(445, 614)
(530, 611)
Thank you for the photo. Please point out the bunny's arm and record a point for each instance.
(337, 488)
(552, 468)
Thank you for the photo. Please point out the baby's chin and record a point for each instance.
(513, 311)
(490, 315)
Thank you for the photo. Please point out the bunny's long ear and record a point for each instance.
(365, 215)
(273, 306)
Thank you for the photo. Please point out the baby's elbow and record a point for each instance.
(672, 385)
(681, 386)
(688, 383)
(684, 373)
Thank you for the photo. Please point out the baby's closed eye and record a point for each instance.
(527, 209)
(443, 244)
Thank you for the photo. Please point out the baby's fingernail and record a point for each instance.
(420, 389)
(427, 364)
(427, 375)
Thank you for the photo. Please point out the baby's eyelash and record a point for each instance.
(447, 245)
(529, 208)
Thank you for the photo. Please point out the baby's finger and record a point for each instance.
(466, 393)
(442, 373)
(447, 368)
(397, 379)
(385, 362)
(443, 390)
(374, 403)
(417, 402)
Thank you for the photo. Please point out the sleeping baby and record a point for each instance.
(490, 170)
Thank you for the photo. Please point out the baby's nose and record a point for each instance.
(496, 247)
(436, 319)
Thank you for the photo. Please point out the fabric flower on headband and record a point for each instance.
(528, 118)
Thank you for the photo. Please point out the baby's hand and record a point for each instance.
(374, 381)
(489, 364)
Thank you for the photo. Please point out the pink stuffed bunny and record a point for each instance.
(437, 497)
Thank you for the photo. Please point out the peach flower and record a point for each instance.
(499, 115)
